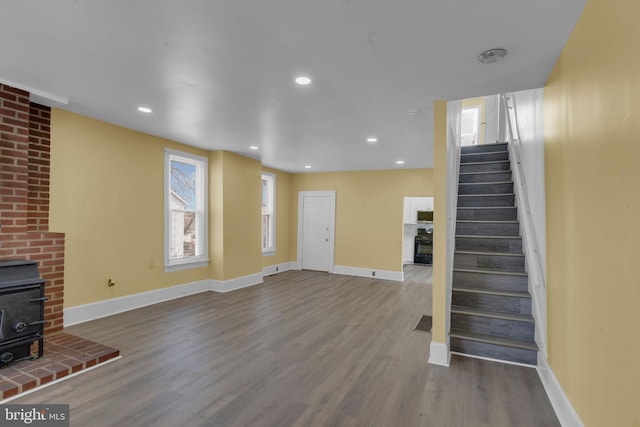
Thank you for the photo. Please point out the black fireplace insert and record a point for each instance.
(22, 301)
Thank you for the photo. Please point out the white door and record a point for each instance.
(317, 218)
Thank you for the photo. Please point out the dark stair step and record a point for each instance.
(504, 165)
(485, 200)
(483, 148)
(510, 244)
(499, 176)
(484, 299)
(487, 228)
(486, 188)
(502, 324)
(491, 279)
(508, 349)
(496, 213)
(516, 317)
(504, 261)
(492, 156)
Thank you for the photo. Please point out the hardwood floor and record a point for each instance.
(301, 349)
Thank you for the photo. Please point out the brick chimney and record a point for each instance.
(25, 140)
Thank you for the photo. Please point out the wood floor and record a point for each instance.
(301, 349)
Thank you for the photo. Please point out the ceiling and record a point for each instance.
(220, 74)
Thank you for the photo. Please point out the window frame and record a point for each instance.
(201, 258)
(271, 196)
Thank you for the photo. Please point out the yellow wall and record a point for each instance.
(439, 302)
(369, 213)
(107, 196)
(592, 125)
(242, 201)
(283, 220)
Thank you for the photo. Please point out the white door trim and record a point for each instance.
(332, 219)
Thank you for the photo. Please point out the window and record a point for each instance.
(185, 219)
(268, 213)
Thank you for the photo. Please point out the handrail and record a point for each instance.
(514, 138)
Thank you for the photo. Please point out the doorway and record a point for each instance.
(316, 226)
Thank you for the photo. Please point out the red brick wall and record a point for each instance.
(24, 195)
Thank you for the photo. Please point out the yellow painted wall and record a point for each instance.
(216, 214)
(107, 196)
(242, 211)
(592, 126)
(369, 213)
(439, 302)
(283, 219)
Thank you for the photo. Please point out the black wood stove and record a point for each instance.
(21, 310)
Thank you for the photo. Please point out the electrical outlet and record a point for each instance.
(373, 274)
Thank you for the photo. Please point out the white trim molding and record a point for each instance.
(236, 283)
(97, 310)
(439, 354)
(565, 412)
(397, 276)
(278, 268)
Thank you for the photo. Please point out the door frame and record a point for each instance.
(332, 221)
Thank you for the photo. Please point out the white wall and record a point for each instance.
(529, 112)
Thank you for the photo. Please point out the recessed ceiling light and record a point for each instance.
(307, 166)
(145, 110)
(492, 55)
(372, 139)
(399, 162)
(414, 113)
(303, 80)
(253, 147)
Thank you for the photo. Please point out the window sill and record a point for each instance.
(271, 252)
(185, 265)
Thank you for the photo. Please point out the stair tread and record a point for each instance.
(490, 271)
(486, 195)
(477, 236)
(483, 172)
(483, 163)
(489, 253)
(486, 207)
(488, 221)
(495, 292)
(492, 339)
(485, 183)
(457, 309)
(480, 153)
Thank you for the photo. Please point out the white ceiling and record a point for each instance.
(219, 74)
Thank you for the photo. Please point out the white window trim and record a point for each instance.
(203, 222)
(271, 250)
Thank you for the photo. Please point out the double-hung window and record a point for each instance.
(268, 213)
(185, 220)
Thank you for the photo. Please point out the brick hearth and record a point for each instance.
(64, 355)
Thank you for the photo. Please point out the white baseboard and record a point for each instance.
(97, 310)
(439, 354)
(397, 276)
(278, 268)
(567, 416)
(236, 283)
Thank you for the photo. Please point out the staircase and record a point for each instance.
(490, 305)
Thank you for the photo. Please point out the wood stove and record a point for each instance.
(21, 310)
